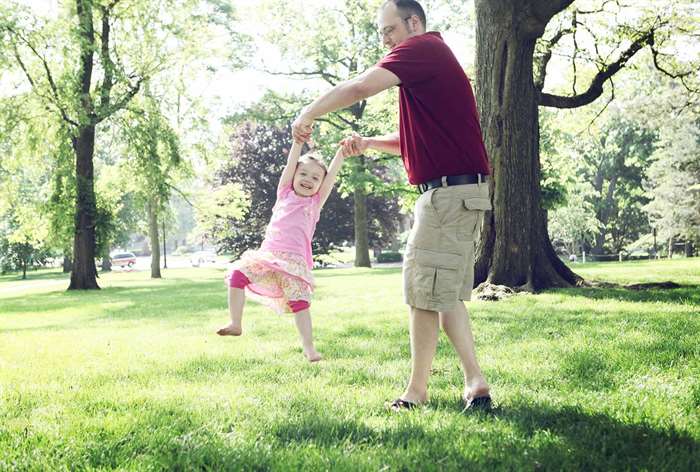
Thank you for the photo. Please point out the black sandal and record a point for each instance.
(400, 404)
(482, 403)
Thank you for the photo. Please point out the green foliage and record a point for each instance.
(574, 225)
(389, 256)
(600, 176)
(674, 182)
(219, 209)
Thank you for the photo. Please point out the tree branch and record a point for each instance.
(86, 32)
(345, 120)
(330, 122)
(544, 10)
(52, 84)
(542, 61)
(133, 90)
(596, 87)
(107, 64)
(328, 77)
(605, 107)
(681, 75)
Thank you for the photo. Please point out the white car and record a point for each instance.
(123, 259)
(202, 257)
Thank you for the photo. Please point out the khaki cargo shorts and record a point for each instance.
(438, 267)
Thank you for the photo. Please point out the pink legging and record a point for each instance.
(239, 280)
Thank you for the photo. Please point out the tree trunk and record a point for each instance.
(515, 249)
(361, 237)
(688, 249)
(106, 263)
(24, 269)
(670, 247)
(165, 255)
(153, 235)
(67, 264)
(84, 274)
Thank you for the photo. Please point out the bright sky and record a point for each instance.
(233, 90)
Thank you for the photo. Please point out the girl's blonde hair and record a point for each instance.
(316, 158)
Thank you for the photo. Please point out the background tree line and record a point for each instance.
(589, 111)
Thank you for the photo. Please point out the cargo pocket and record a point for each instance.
(472, 215)
(439, 274)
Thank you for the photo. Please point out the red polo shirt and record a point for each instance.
(438, 122)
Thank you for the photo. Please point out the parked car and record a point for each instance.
(124, 259)
(202, 257)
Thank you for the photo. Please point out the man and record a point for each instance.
(440, 142)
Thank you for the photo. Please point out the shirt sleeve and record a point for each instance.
(410, 62)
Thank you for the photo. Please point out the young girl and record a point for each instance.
(279, 273)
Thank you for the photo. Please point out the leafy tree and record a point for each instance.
(615, 162)
(153, 156)
(515, 43)
(87, 64)
(23, 243)
(674, 183)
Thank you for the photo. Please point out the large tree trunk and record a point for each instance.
(515, 249)
(84, 274)
(106, 263)
(165, 255)
(67, 264)
(153, 235)
(361, 236)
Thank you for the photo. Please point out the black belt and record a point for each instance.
(449, 180)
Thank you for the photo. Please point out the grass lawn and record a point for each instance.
(132, 377)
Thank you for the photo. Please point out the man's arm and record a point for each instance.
(389, 143)
(367, 84)
(355, 144)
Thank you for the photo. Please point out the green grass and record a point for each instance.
(131, 377)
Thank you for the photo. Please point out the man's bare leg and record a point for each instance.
(424, 330)
(236, 300)
(457, 326)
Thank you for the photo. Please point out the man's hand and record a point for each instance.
(354, 145)
(302, 128)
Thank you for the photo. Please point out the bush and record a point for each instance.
(389, 256)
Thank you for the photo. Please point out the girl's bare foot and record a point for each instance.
(230, 330)
(312, 355)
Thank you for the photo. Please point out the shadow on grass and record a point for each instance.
(597, 441)
(576, 439)
(685, 294)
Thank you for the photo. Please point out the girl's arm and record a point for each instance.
(288, 173)
(328, 181)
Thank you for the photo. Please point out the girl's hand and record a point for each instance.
(354, 145)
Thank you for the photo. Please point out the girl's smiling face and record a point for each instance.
(308, 178)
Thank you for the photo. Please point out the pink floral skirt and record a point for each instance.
(276, 278)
